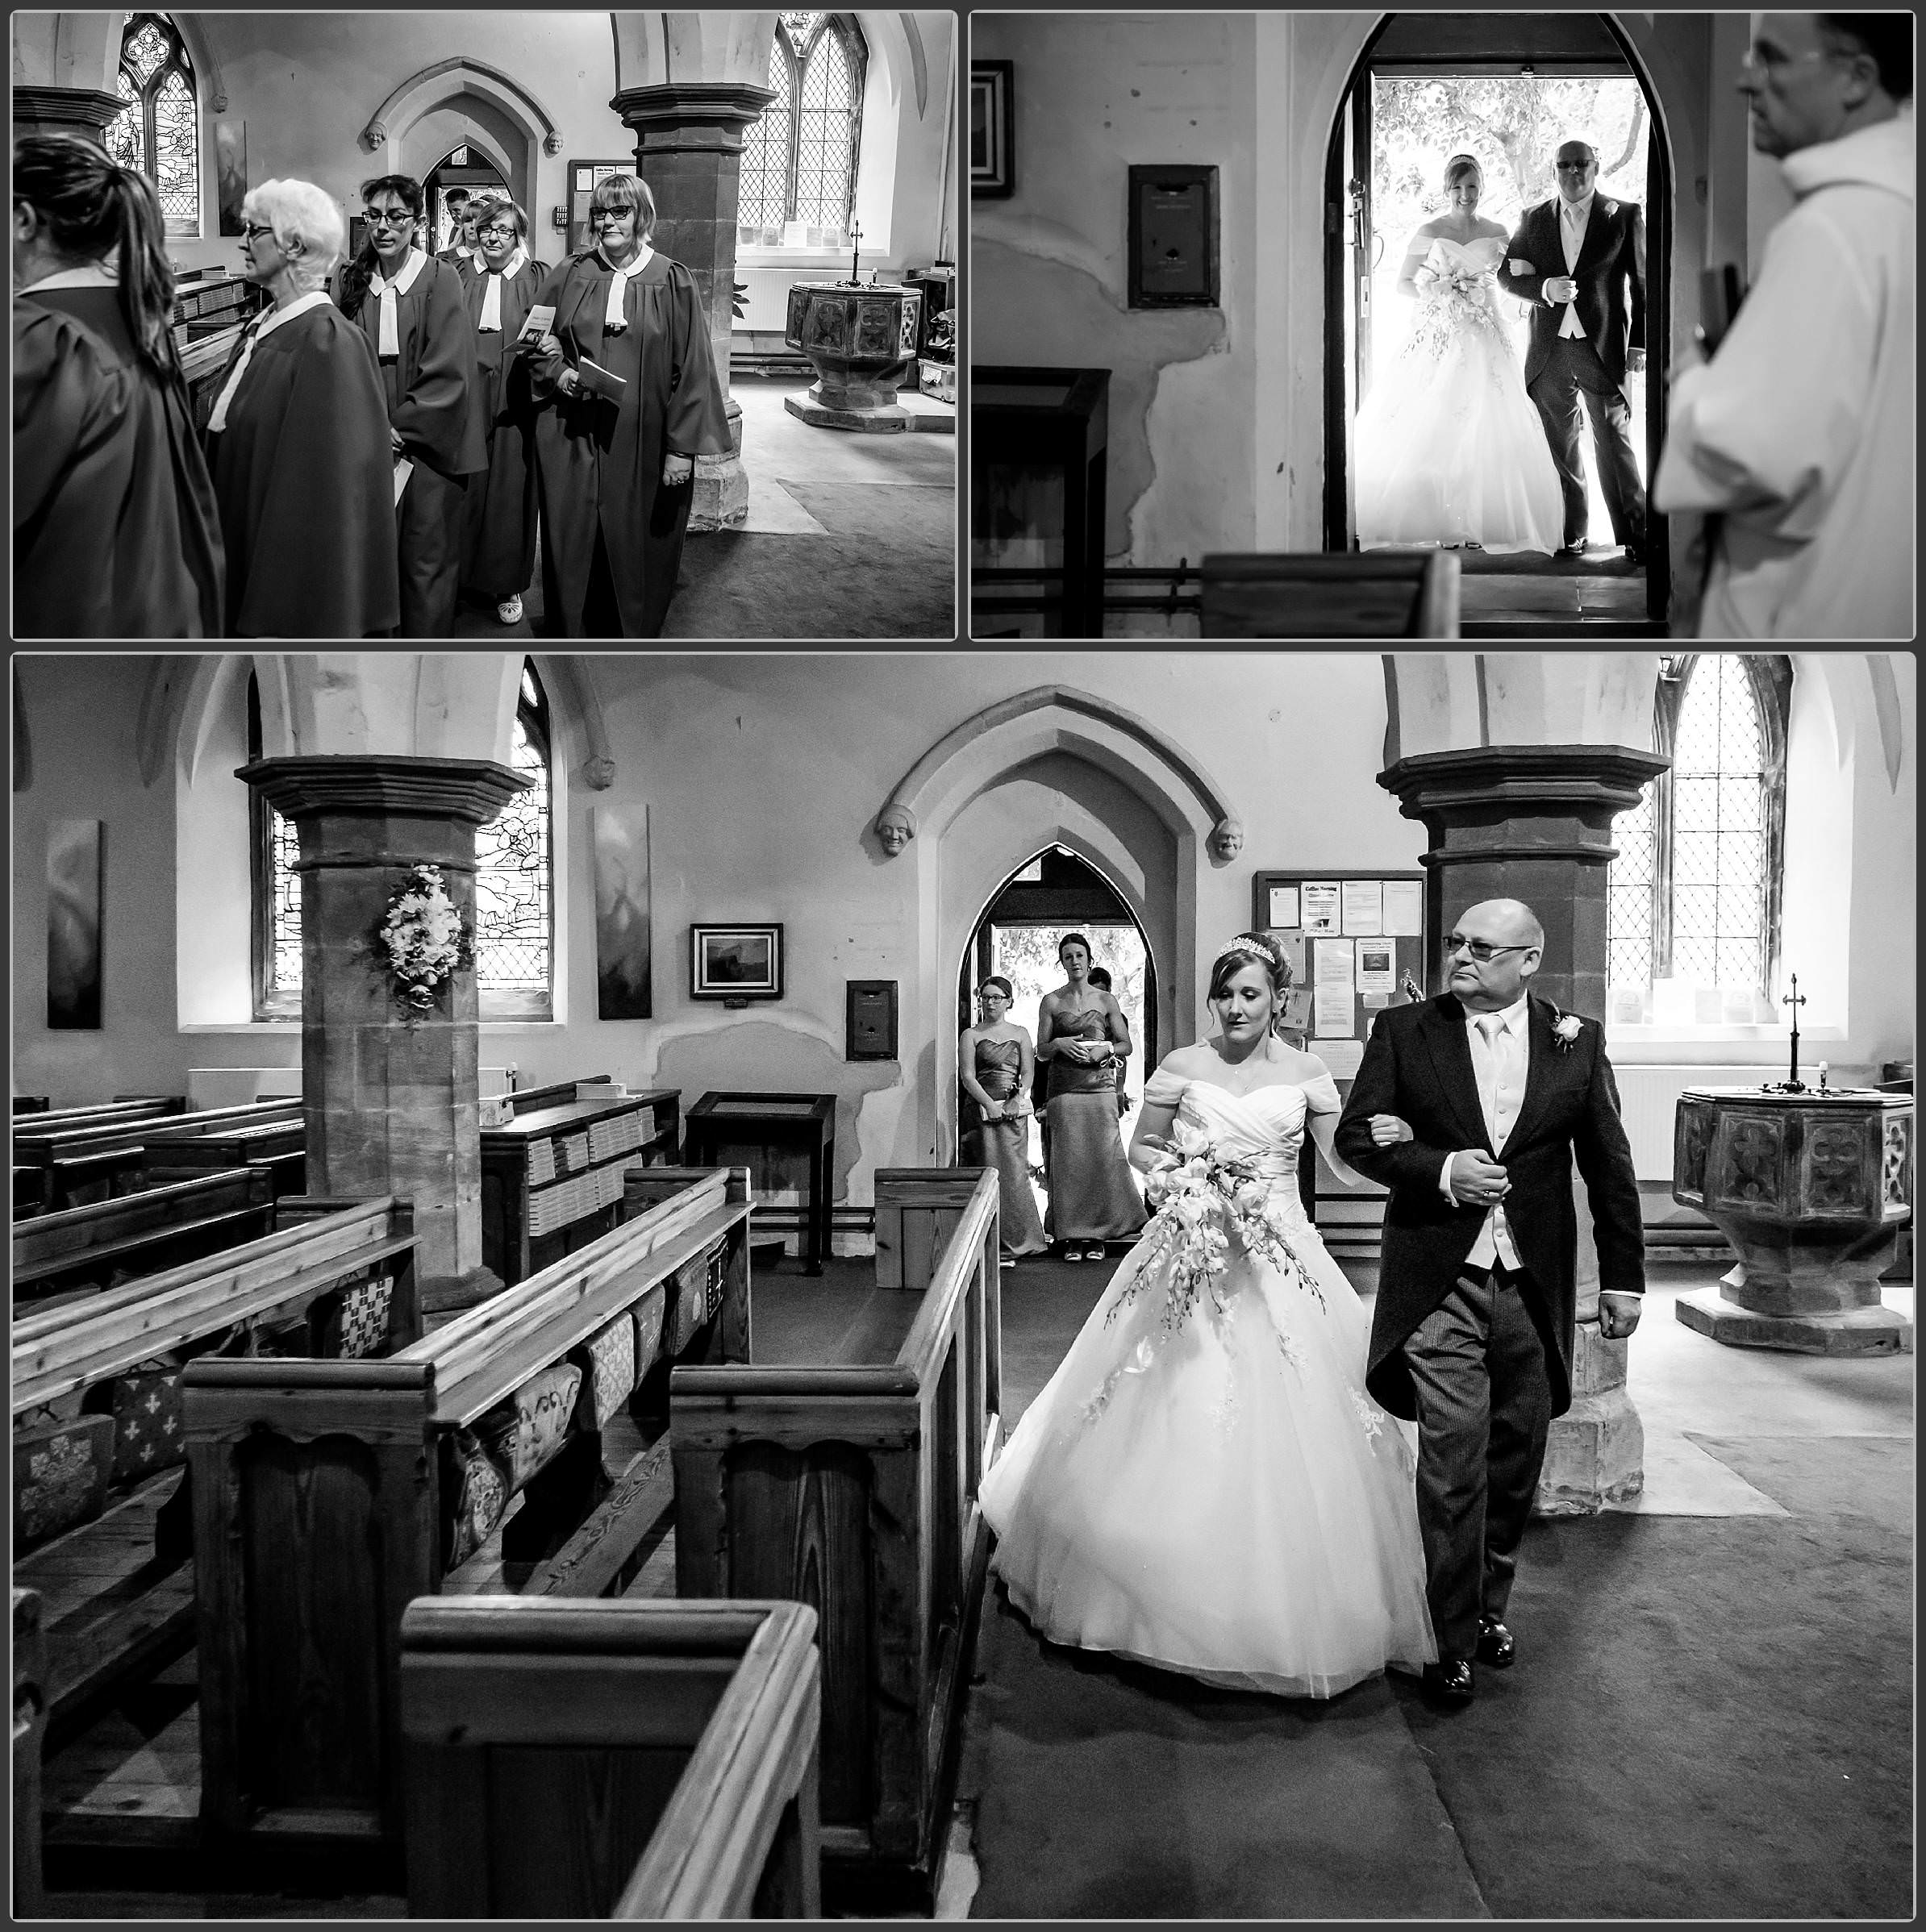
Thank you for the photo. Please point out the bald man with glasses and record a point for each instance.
(1492, 1094)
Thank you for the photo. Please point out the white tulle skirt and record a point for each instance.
(1226, 1501)
(1449, 449)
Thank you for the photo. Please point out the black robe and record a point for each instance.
(602, 462)
(116, 532)
(498, 558)
(305, 482)
(434, 395)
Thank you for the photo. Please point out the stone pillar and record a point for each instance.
(389, 1096)
(689, 149)
(1534, 822)
(82, 110)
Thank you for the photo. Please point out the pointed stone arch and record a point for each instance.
(1053, 765)
(463, 100)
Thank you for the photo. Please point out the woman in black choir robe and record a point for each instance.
(618, 477)
(410, 308)
(498, 558)
(115, 531)
(298, 437)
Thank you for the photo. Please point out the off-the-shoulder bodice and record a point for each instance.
(1481, 251)
(1267, 1123)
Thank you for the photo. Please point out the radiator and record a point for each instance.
(1648, 1101)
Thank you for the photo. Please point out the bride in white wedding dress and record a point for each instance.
(1448, 448)
(1213, 1491)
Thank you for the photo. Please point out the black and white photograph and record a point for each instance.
(1247, 1284)
(476, 325)
(1527, 326)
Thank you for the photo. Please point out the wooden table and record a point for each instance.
(769, 1121)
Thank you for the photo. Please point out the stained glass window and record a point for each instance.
(158, 130)
(513, 883)
(799, 158)
(1693, 894)
(512, 871)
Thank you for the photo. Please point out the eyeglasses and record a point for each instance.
(1481, 950)
(255, 231)
(995, 999)
(1575, 167)
(603, 215)
(398, 218)
(493, 233)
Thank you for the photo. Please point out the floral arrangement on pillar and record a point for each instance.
(422, 941)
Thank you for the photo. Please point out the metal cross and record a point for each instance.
(1794, 999)
(855, 251)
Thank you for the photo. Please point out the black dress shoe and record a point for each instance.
(1449, 1680)
(1494, 1644)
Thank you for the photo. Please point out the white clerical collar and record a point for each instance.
(509, 269)
(315, 298)
(402, 282)
(635, 268)
(95, 275)
(1510, 1020)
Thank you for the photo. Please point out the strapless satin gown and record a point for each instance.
(1004, 1145)
(1225, 1500)
(1094, 1194)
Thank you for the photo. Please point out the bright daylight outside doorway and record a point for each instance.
(1513, 123)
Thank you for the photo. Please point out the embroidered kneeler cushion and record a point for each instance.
(60, 1475)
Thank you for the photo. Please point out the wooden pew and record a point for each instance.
(142, 1234)
(96, 1162)
(30, 1724)
(100, 1113)
(1359, 594)
(30, 1103)
(279, 1147)
(30, 1191)
(853, 1490)
(327, 1495)
(694, 1725)
(75, 1362)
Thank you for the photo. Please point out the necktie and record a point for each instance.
(1570, 327)
(1497, 1039)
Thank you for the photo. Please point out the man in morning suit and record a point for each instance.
(1580, 258)
(1473, 1330)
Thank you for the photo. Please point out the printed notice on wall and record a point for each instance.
(1291, 944)
(1377, 966)
(1364, 906)
(1320, 906)
(1334, 1011)
(1333, 975)
(1283, 905)
(1404, 908)
(1341, 1057)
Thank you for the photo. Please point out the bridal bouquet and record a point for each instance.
(1451, 299)
(1203, 1198)
(422, 941)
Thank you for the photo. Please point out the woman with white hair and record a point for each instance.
(497, 557)
(298, 439)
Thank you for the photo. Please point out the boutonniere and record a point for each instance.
(1611, 207)
(1565, 1029)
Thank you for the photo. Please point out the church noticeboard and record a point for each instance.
(1174, 236)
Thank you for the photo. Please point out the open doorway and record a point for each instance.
(1508, 88)
(467, 168)
(1017, 937)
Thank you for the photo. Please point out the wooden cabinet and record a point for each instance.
(721, 1124)
(552, 1179)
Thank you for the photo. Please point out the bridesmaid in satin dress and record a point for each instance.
(994, 1062)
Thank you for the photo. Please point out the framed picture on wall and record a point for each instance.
(1174, 236)
(992, 129)
(736, 962)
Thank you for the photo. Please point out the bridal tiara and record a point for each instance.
(1249, 949)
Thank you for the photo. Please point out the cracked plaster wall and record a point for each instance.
(1050, 265)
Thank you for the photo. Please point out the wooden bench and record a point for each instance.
(30, 1723)
(278, 1147)
(95, 1162)
(328, 1495)
(100, 1113)
(610, 1759)
(1359, 594)
(852, 1488)
(141, 1234)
